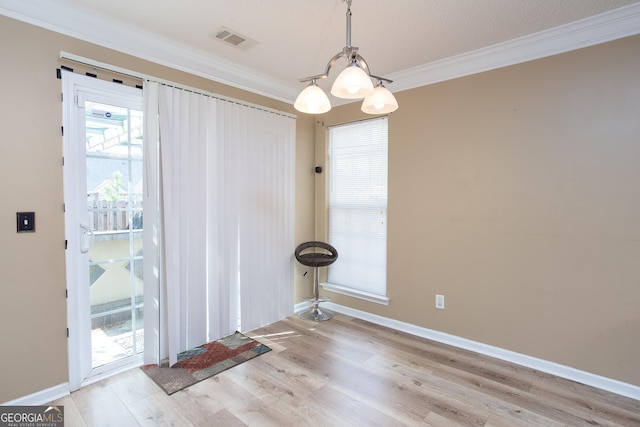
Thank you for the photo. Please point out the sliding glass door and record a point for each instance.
(103, 198)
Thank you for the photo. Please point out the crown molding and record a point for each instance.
(61, 18)
(608, 26)
(112, 34)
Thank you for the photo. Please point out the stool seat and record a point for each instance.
(316, 260)
(319, 254)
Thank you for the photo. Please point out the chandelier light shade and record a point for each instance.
(312, 100)
(354, 82)
(381, 101)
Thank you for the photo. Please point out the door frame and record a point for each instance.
(75, 89)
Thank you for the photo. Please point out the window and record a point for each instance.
(358, 209)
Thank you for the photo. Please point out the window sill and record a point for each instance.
(378, 299)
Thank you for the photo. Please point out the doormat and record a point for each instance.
(203, 362)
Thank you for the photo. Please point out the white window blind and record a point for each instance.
(358, 206)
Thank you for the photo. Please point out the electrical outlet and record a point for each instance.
(440, 301)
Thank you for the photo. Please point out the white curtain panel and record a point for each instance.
(260, 154)
(227, 215)
(184, 138)
(151, 231)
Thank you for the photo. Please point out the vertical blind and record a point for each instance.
(227, 217)
(358, 157)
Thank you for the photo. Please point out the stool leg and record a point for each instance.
(314, 312)
(316, 283)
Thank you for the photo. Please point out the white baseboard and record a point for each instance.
(300, 307)
(41, 397)
(608, 384)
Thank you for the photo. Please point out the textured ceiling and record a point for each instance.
(296, 38)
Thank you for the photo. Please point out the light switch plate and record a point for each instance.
(26, 222)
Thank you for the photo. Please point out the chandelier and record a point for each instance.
(354, 82)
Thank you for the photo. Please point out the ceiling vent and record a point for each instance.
(234, 38)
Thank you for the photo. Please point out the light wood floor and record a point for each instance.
(348, 372)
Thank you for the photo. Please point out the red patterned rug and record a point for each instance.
(203, 362)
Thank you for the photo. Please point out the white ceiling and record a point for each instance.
(413, 42)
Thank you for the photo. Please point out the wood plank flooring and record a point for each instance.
(349, 372)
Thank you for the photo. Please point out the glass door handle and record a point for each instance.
(85, 233)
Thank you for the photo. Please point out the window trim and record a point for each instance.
(367, 296)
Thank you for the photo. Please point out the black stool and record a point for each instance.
(316, 259)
